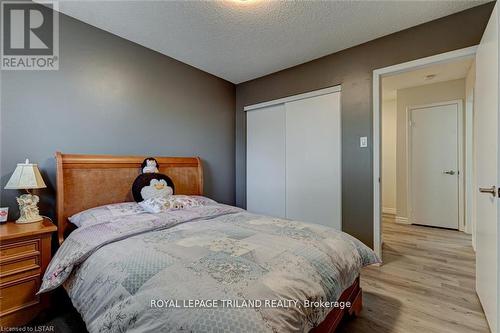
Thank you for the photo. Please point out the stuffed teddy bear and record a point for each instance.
(150, 183)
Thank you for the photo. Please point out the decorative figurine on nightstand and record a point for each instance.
(27, 177)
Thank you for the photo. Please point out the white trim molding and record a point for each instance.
(402, 220)
(378, 74)
(294, 98)
(389, 210)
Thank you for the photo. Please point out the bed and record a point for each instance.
(206, 268)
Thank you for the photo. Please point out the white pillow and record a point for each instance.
(173, 202)
(104, 213)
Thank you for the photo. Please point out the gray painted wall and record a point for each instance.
(111, 96)
(353, 68)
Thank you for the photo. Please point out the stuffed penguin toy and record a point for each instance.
(149, 165)
(151, 184)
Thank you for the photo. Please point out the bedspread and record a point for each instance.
(213, 268)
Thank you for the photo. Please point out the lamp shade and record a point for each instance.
(25, 177)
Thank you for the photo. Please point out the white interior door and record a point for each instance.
(266, 161)
(434, 165)
(487, 171)
(313, 160)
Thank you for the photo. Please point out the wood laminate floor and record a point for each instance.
(425, 285)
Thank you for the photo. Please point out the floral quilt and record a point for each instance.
(210, 268)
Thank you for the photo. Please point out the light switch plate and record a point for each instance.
(363, 142)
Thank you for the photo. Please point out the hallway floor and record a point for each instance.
(425, 285)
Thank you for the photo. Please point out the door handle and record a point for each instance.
(449, 172)
(491, 190)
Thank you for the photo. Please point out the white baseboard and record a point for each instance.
(402, 220)
(389, 210)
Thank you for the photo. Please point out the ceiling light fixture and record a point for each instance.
(243, 2)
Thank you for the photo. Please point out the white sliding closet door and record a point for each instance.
(313, 163)
(266, 161)
(294, 157)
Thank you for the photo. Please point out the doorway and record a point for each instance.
(379, 98)
(483, 187)
(423, 145)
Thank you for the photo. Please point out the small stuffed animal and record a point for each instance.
(149, 165)
(151, 184)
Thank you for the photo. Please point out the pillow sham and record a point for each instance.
(104, 213)
(173, 202)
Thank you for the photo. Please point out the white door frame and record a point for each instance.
(409, 159)
(464, 53)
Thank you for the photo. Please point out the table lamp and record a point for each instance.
(27, 177)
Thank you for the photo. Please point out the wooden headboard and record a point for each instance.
(87, 181)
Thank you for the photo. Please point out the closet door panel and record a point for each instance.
(313, 150)
(266, 161)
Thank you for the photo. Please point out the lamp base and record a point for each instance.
(31, 220)
(28, 209)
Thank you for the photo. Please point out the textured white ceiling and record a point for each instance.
(443, 72)
(243, 40)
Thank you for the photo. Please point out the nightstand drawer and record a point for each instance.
(24, 255)
(19, 248)
(19, 294)
(19, 267)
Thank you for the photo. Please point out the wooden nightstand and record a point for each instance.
(24, 255)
